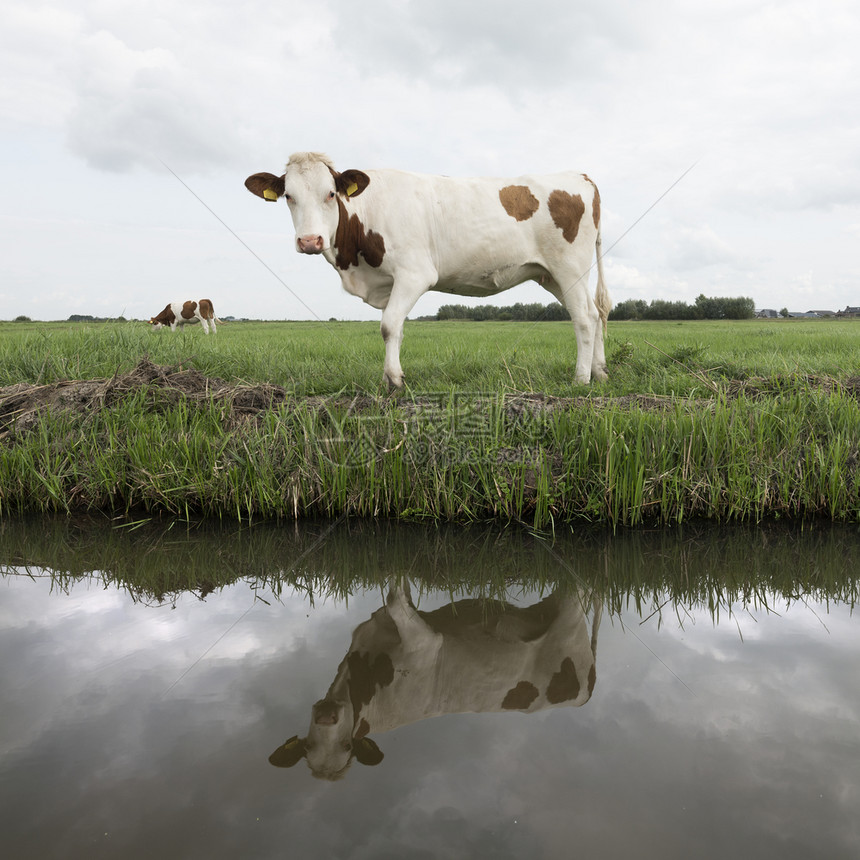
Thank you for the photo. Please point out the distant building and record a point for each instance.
(823, 313)
(849, 312)
(767, 314)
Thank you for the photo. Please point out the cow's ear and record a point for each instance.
(288, 753)
(367, 752)
(351, 182)
(266, 185)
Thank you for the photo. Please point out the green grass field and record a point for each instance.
(323, 358)
(724, 421)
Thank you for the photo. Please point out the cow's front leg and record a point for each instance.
(401, 301)
(392, 336)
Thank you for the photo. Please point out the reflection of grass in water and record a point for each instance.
(648, 571)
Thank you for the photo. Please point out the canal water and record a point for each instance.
(342, 690)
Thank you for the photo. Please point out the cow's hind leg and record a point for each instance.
(571, 289)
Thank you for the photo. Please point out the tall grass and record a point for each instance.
(740, 459)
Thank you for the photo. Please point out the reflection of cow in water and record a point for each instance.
(468, 657)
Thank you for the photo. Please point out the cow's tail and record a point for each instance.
(601, 295)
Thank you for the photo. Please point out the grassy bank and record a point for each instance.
(739, 421)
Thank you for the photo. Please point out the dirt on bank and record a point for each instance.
(22, 404)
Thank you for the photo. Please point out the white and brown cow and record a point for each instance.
(187, 313)
(405, 665)
(393, 236)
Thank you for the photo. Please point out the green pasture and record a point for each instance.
(740, 421)
(671, 358)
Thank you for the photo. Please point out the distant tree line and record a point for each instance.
(704, 308)
(521, 312)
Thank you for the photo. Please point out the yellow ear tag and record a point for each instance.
(269, 194)
(351, 189)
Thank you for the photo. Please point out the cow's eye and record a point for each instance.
(288, 198)
(331, 195)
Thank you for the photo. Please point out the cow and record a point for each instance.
(393, 236)
(471, 656)
(187, 313)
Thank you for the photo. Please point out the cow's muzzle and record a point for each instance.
(309, 244)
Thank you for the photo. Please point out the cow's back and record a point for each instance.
(479, 235)
(488, 659)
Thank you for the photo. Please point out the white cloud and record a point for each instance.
(630, 280)
(697, 247)
(450, 42)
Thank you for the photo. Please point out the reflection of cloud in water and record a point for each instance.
(795, 642)
(764, 753)
(70, 648)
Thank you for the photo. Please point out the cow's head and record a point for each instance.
(165, 318)
(331, 743)
(311, 187)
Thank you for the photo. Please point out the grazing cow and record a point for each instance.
(469, 657)
(392, 236)
(187, 313)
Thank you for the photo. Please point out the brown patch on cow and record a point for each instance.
(564, 685)
(595, 203)
(188, 309)
(351, 239)
(207, 309)
(592, 678)
(166, 317)
(520, 697)
(566, 210)
(362, 730)
(366, 675)
(519, 202)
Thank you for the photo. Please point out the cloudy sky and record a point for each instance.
(127, 129)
